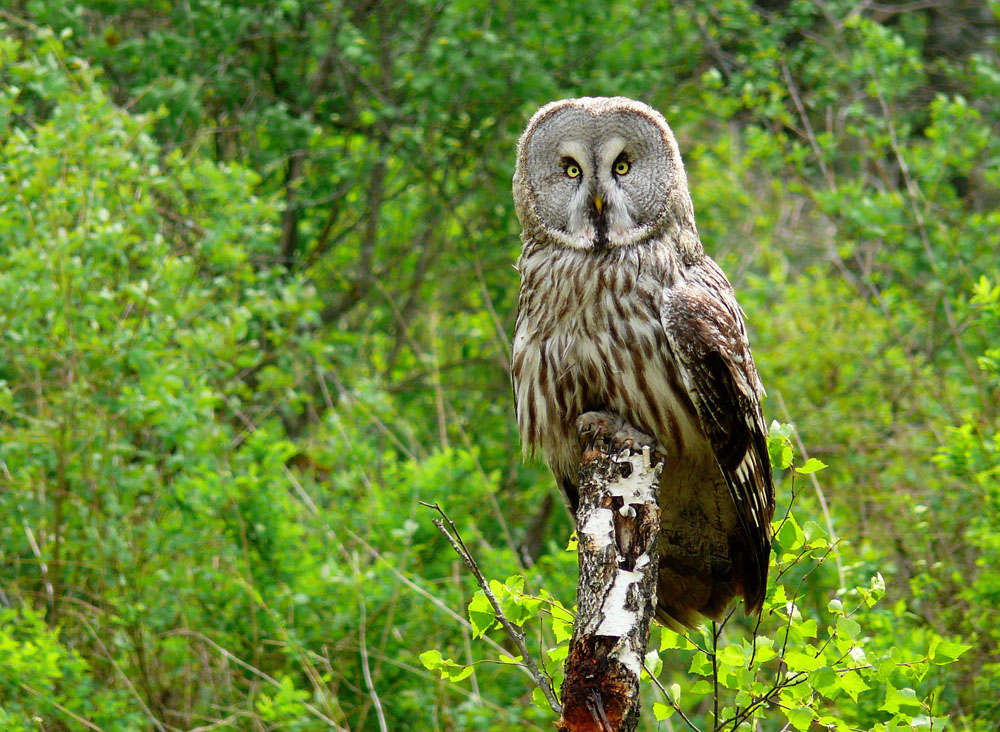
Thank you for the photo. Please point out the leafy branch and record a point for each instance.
(447, 527)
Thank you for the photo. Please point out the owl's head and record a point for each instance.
(599, 172)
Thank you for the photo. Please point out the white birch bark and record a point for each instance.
(618, 522)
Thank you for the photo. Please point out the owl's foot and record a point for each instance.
(596, 426)
(615, 432)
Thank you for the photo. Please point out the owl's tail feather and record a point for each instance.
(684, 599)
(693, 586)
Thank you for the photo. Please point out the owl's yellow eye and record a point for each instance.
(621, 167)
(573, 170)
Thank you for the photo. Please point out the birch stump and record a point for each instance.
(618, 522)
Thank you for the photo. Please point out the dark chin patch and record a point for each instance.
(601, 237)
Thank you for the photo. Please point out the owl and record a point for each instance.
(623, 316)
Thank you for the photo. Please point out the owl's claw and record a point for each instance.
(615, 432)
(596, 426)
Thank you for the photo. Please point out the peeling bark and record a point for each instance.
(618, 522)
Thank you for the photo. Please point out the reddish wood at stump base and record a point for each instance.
(598, 690)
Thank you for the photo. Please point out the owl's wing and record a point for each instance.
(705, 330)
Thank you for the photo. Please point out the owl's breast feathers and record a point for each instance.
(589, 337)
(662, 343)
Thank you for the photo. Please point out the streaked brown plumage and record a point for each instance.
(621, 310)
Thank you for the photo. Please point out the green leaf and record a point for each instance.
(481, 614)
(826, 682)
(898, 699)
(450, 670)
(833, 723)
(764, 650)
(562, 619)
(558, 653)
(848, 628)
(801, 718)
(816, 536)
(701, 665)
(732, 656)
(662, 711)
(515, 583)
(516, 606)
(675, 692)
(701, 686)
(539, 700)
(789, 535)
(798, 661)
(459, 673)
(431, 659)
(670, 639)
(780, 453)
(808, 628)
(560, 612)
(945, 652)
(562, 630)
(653, 663)
(780, 430)
(812, 465)
(876, 590)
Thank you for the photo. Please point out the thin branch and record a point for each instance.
(367, 671)
(254, 670)
(455, 539)
(807, 125)
(457, 424)
(670, 700)
(819, 491)
(64, 710)
(916, 199)
(135, 692)
(424, 593)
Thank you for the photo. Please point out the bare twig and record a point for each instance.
(807, 125)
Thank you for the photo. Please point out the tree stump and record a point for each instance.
(618, 522)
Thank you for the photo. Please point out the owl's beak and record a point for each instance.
(598, 204)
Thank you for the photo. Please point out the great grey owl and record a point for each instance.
(622, 314)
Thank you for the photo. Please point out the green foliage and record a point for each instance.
(43, 682)
(255, 303)
(806, 661)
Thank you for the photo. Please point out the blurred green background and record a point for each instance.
(256, 297)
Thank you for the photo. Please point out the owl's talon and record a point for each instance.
(616, 433)
(596, 426)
